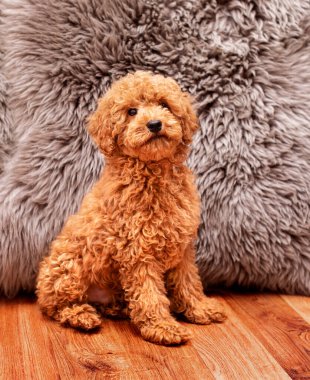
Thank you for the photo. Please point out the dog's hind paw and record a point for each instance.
(83, 317)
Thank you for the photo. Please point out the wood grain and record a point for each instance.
(300, 304)
(279, 328)
(234, 352)
(264, 338)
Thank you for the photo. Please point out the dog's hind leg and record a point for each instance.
(62, 290)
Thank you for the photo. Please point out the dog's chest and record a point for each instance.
(174, 214)
(161, 217)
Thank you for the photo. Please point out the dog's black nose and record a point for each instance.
(154, 125)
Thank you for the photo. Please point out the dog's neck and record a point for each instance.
(163, 168)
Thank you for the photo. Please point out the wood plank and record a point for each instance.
(34, 347)
(232, 352)
(279, 328)
(159, 362)
(300, 304)
(47, 350)
(10, 347)
(119, 352)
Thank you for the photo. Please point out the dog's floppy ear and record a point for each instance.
(100, 128)
(189, 119)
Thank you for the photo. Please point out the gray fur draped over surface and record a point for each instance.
(248, 65)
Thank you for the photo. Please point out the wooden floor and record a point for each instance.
(266, 337)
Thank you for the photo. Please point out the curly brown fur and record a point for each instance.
(130, 247)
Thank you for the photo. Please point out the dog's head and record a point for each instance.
(145, 116)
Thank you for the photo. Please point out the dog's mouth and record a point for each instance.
(157, 138)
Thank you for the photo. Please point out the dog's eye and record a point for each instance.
(164, 105)
(132, 111)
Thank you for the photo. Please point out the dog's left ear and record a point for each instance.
(189, 119)
(100, 128)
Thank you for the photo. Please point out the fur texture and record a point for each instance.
(132, 240)
(247, 63)
(6, 139)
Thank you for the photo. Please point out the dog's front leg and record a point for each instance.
(186, 292)
(149, 307)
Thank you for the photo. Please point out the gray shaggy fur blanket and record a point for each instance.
(248, 65)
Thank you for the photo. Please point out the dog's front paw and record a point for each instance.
(166, 333)
(205, 312)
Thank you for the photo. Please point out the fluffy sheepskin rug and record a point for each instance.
(247, 63)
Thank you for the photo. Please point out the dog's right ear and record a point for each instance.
(100, 128)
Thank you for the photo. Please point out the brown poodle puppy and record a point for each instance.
(130, 248)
